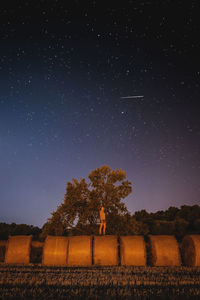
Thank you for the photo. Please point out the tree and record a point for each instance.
(196, 225)
(142, 215)
(163, 227)
(171, 213)
(82, 202)
(18, 229)
(189, 213)
(181, 226)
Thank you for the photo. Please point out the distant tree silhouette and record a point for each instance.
(176, 221)
(18, 229)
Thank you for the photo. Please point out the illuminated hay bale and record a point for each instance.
(55, 251)
(133, 250)
(190, 248)
(105, 250)
(164, 251)
(79, 251)
(18, 249)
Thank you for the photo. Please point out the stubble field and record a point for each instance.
(120, 282)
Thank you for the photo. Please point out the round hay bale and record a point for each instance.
(18, 249)
(164, 250)
(55, 251)
(79, 251)
(105, 250)
(190, 249)
(133, 250)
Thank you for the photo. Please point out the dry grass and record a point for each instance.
(124, 282)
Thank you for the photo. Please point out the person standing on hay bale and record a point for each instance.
(102, 228)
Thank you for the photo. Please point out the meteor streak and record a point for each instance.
(132, 97)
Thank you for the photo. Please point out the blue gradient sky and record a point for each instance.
(64, 69)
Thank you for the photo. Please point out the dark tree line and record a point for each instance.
(175, 221)
(19, 229)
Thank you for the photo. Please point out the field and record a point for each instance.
(39, 282)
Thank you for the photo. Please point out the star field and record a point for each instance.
(65, 68)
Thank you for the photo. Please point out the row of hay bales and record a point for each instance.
(106, 250)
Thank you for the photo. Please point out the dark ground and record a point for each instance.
(39, 282)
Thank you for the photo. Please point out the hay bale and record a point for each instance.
(18, 249)
(164, 250)
(55, 251)
(190, 249)
(133, 250)
(79, 251)
(105, 250)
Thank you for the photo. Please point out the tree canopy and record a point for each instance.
(79, 211)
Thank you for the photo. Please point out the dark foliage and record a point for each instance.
(18, 229)
(173, 221)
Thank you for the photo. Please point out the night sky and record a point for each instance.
(65, 67)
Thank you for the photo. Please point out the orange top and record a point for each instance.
(102, 215)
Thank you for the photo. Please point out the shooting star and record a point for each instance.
(132, 97)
